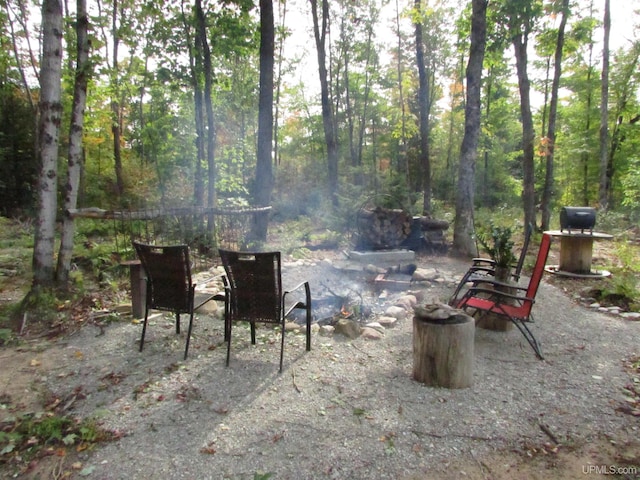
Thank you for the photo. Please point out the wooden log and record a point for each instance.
(427, 224)
(443, 346)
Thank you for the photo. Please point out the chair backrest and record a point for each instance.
(538, 269)
(523, 252)
(255, 280)
(168, 271)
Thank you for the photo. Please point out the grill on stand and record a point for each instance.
(577, 218)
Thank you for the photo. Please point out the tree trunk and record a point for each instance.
(328, 120)
(201, 37)
(195, 68)
(605, 176)
(264, 165)
(75, 142)
(49, 135)
(403, 164)
(547, 194)
(423, 106)
(443, 347)
(116, 120)
(520, 42)
(463, 227)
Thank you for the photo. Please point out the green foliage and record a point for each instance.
(24, 436)
(631, 188)
(497, 242)
(262, 476)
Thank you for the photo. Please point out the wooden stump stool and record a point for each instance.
(443, 346)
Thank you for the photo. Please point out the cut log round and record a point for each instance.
(443, 347)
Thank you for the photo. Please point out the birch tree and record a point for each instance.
(49, 133)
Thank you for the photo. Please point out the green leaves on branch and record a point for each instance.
(498, 244)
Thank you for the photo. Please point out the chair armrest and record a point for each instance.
(495, 283)
(479, 261)
(496, 293)
(305, 304)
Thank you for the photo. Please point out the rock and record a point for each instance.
(631, 315)
(326, 330)
(372, 334)
(422, 274)
(210, 307)
(396, 312)
(407, 302)
(375, 326)
(292, 327)
(348, 328)
(387, 322)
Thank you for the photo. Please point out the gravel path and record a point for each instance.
(348, 409)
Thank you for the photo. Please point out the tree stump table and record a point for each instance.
(443, 346)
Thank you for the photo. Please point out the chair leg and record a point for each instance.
(308, 309)
(253, 333)
(144, 326)
(529, 336)
(229, 343)
(227, 321)
(282, 344)
(454, 297)
(186, 350)
(177, 324)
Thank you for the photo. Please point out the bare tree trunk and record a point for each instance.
(264, 164)
(201, 40)
(328, 120)
(116, 121)
(49, 128)
(75, 142)
(463, 226)
(528, 135)
(278, 81)
(547, 194)
(605, 171)
(403, 164)
(423, 106)
(195, 68)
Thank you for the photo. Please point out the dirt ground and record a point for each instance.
(29, 370)
(25, 386)
(25, 367)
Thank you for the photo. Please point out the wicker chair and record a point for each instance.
(169, 284)
(255, 294)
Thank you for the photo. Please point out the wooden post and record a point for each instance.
(138, 288)
(443, 346)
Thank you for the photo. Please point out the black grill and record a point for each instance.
(577, 218)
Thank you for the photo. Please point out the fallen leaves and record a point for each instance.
(631, 391)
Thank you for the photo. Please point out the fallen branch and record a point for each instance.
(549, 433)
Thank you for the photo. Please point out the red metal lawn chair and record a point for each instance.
(485, 296)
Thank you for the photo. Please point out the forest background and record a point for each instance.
(173, 100)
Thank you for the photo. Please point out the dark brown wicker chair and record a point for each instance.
(255, 294)
(169, 284)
